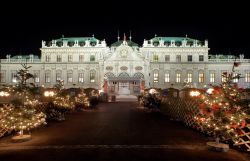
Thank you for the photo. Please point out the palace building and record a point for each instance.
(124, 67)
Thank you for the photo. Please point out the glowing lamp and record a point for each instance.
(4, 94)
(49, 93)
(210, 90)
(152, 91)
(194, 93)
(100, 91)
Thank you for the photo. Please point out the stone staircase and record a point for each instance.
(126, 98)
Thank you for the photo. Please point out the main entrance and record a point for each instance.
(123, 84)
(123, 88)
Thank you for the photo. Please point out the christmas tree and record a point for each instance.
(21, 115)
(221, 110)
(20, 119)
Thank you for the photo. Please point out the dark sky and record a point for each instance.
(24, 26)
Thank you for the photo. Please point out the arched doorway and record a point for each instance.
(123, 84)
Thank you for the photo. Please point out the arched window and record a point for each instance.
(47, 76)
(156, 76)
(167, 77)
(109, 75)
(190, 76)
(13, 76)
(58, 75)
(92, 76)
(80, 76)
(71, 43)
(139, 75)
(59, 43)
(37, 76)
(123, 75)
(178, 77)
(81, 43)
(70, 76)
(201, 77)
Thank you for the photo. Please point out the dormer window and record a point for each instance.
(93, 43)
(155, 43)
(82, 43)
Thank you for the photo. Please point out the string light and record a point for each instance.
(221, 110)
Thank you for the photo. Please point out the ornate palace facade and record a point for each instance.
(125, 67)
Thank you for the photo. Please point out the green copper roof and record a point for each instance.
(221, 56)
(80, 39)
(168, 39)
(178, 40)
(130, 43)
(24, 57)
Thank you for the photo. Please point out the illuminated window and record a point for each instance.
(223, 79)
(13, 77)
(47, 58)
(70, 77)
(178, 58)
(167, 58)
(59, 58)
(156, 76)
(81, 58)
(70, 58)
(201, 77)
(167, 77)
(212, 77)
(92, 76)
(190, 58)
(247, 77)
(58, 75)
(235, 80)
(189, 77)
(36, 77)
(81, 77)
(178, 77)
(47, 77)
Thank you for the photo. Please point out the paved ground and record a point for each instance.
(115, 132)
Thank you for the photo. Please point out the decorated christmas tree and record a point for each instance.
(20, 114)
(222, 112)
(20, 119)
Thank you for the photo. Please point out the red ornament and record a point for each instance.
(243, 124)
(215, 107)
(234, 126)
(217, 91)
(202, 105)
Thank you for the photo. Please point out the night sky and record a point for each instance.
(24, 26)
